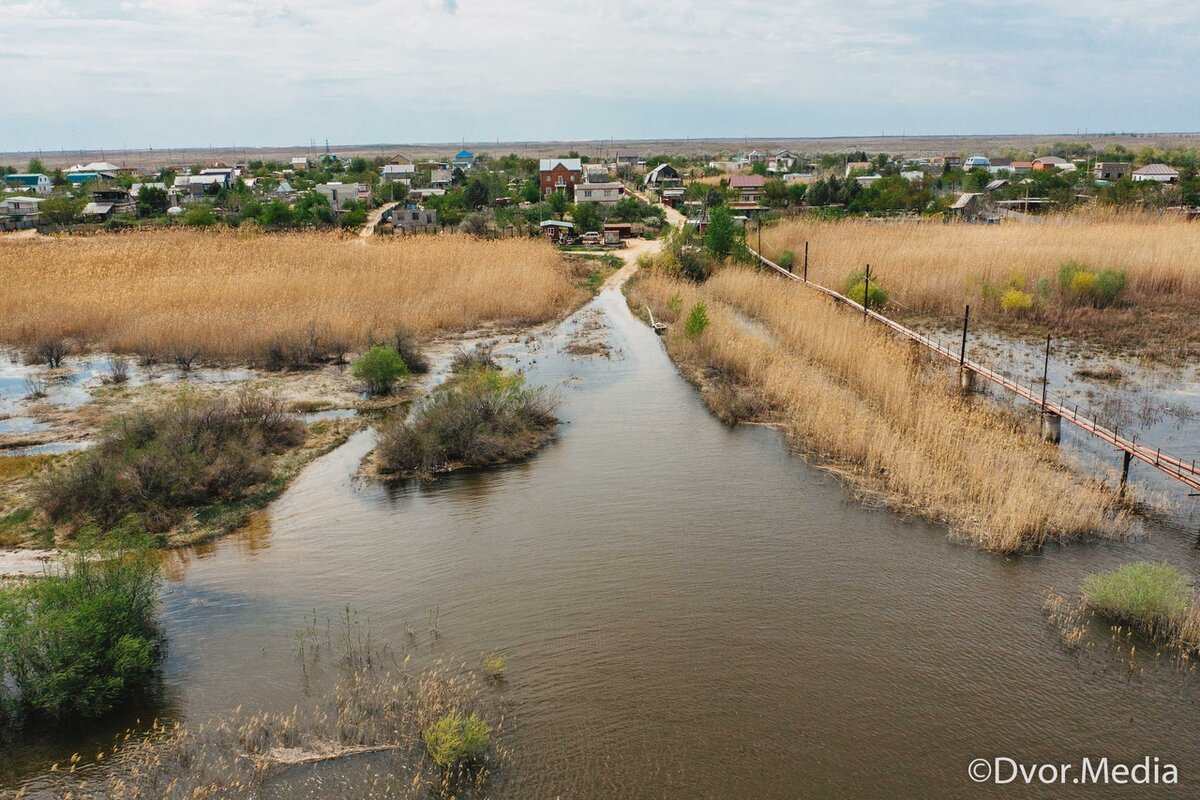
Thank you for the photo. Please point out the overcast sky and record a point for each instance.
(172, 73)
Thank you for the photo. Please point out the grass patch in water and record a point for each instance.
(481, 417)
(1157, 599)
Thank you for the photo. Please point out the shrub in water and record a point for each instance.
(78, 641)
(479, 418)
(478, 357)
(697, 321)
(410, 351)
(379, 369)
(1154, 597)
(155, 464)
(455, 740)
(1014, 301)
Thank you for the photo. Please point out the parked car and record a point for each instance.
(591, 237)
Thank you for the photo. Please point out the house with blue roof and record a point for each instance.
(34, 182)
(464, 160)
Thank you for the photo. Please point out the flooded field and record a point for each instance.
(689, 610)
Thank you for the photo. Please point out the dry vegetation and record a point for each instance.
(241, 296)
(875, 410)
(935, 268)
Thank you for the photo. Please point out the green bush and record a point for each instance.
(156, 464)
(1154, 597)
(856, 285)
(697, 321)
(379, 369)
(77, 642)
(480, 417)
(787, 260)
(455, 740)
(200, 216)
(1080, 285)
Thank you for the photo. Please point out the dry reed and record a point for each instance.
(935, 268)
(232, 296)
(880, 413)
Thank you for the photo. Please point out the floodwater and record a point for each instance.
(689, 611)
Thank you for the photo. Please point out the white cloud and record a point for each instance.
(102, 72)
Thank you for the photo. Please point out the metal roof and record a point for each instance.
(746, 181)
(1156, 169)
(97, 208)
(556, 223)
(571, 164)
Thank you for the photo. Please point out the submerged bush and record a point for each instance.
(379, 369)
(476, 358)
(78, 641)
(455, 740)
(156, 464)
(479, 418)
(1153, 597)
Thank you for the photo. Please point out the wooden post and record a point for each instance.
(866, 291)
(806, 261)
(962, 353)
(1125, 473)
(1046, 373)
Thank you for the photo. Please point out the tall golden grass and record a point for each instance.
(230, 295)
(935, 267)
(881, 414)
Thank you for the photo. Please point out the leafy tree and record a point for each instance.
(775, 191)
(276, 214)
(587, 217)
(36, 166)
(354, 215)
(558, 203)
(61, 210)
(358, 164)
(797, 193)
(399, 191)
(758, 168)
(152, 201)
(476, 194)
(530, 191)
(721, 236)
(313, 207)
(200, 215)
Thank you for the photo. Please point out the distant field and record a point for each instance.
(601, 148)
(233, 296)
(933, 268)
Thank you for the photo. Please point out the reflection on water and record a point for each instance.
(688, 610)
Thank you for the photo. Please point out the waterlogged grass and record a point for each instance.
(1155, 598)
(237, 296)
(870, 408)
(442, 727)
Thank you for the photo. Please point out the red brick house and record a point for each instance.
(560, 175)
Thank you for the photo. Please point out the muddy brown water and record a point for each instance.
(689, 611)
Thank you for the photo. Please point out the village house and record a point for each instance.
(977, 162)
(399, 168)
(339, 194)
(604, 193)
(1112, 170)
(782, 161)
(464, 160)
(17, 213)
(559, 174)
(748, 187)
(557, 230)
(427, 192)
(34, 182)
(595, 173)
(440, 178)
(300, 163)
(1050, 162)
(413, 218)
(108, 203)
(857, 166)
(1157, 172)
(662, 176)
(673, 198)
(627, 158)
(1022, 167)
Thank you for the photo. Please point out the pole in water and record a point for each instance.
(806, 261)
(1046, 372)
(866, 291)
(962, 353)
